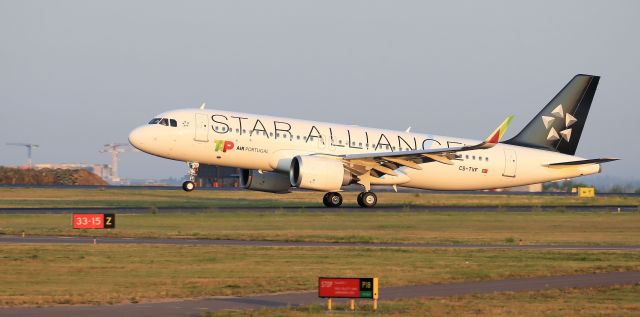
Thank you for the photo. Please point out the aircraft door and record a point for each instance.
(202, 127)
(510, 163)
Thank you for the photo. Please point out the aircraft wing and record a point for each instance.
(386, 162)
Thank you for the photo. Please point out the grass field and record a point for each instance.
(606, 301)
(371, 226)
(74, 274)
(107, 274)
(109, 197)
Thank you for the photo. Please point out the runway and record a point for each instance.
(348, 208)
(187, 308)
(260, 243)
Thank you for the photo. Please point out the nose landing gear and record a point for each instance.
(190, 185)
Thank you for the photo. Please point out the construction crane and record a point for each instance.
(30, 148)
(115, 149)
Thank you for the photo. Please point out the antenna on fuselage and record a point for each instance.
(202, 106)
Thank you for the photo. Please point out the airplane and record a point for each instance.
(277, 154)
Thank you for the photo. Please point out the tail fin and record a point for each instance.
(559, 125)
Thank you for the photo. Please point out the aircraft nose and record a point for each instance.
(137, 138)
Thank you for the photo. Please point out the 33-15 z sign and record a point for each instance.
(94, 221)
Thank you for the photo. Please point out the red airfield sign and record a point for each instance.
(346, 287)
(93, 221)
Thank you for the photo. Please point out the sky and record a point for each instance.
(75, 75)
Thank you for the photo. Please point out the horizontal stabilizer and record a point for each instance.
(582, 162)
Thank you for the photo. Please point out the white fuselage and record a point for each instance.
(267, 143)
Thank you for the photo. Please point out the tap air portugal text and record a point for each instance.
(276, 154)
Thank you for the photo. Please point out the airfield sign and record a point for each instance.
(94, 221)
(329, 287)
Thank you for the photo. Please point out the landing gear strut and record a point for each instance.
(367, 199)
(193, 172)
(332, 199)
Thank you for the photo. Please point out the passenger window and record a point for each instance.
(164, 122)
(173, 122)
(486, 159)
(237, 130)
(473, 157)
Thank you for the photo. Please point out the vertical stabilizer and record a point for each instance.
(559, 125)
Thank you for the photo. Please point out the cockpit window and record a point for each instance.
(164, 121)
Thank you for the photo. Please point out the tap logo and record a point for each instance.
(222, 145)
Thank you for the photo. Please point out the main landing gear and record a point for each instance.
(193, 172)
(365, 199)
(332, 200)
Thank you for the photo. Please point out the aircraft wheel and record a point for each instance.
(332, 199)
(325, 200)
(188, 186)
(367, 199)
(360, 200)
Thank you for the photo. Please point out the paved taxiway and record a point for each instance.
(259, 243)
(195, 307)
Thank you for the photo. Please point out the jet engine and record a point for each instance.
(265, 182)
(319, 173)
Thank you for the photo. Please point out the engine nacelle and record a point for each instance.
(318, 173)
(265, 181)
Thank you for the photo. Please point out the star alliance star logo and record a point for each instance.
(559, 114)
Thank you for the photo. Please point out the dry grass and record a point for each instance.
(110, 197)
(404, 227)
(605, 301)
(74, 274)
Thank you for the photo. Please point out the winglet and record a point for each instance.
(203, 105)
(498, 133)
